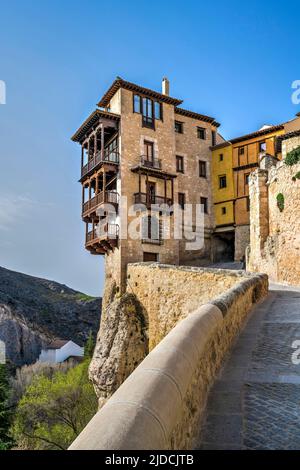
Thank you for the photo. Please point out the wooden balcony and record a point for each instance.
(99, 159)
(102, 241)
(147, 200)
(104, 197)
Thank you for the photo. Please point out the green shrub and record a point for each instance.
(296, 176)
(53, 411)
(5, 410)
(293, 157)
(280, 201)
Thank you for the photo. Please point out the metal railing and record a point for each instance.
(111, 156)
(151, 163)
(147, 199)
(109, 197)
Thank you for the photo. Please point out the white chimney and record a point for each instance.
(165, 86)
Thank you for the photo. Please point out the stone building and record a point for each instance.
(275, 214)
(233, 162)
(141, 145)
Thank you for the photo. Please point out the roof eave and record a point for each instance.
(120, 83)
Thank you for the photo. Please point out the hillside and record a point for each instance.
(34, 311)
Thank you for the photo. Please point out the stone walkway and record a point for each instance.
(255, 402)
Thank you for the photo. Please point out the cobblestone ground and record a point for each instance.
(255, 402)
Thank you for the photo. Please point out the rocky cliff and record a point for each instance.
(34, 311)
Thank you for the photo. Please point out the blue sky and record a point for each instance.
(234, 60)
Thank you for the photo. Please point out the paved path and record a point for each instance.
(255, 402)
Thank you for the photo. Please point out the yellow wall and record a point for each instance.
(249, 157)
(223, 197)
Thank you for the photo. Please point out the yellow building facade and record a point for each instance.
(224, 201)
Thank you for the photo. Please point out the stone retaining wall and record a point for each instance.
(161, 404)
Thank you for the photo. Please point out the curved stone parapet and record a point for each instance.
(160, 404)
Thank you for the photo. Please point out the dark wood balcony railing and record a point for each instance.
(151, 163)
(108, 157)
(144, 198)
(107, 232)
(109, 197)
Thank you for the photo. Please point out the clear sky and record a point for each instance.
(233, 60)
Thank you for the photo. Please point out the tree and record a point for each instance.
(5, 411)
(89, 346)
(53, 411)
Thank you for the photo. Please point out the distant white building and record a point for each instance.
(60, 350)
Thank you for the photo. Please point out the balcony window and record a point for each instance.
(179, 164)
(204, 204)
(222, 182)
(179, 127)
(201, 133)
(202, 169)
(148, 113)
(149, 151)
(136, 104)
(157, 110)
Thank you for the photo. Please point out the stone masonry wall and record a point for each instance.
(168, 294)
(157, 298)
(275, 235)
(242, 240)
(161, 405)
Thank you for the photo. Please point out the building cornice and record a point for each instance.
(259, 133)
(91, 121)
(120, 83)
(199, 117)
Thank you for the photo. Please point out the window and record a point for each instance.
(221, 157)
(202, 169)
(241, 150)
(148, 151)
(248, 204)
(204, 204)
(136, 104)
(150, 228)
(179, 164)
(247, 178)
(150, 257)
(201, 133)
(179, 127)
(213, 138)
(262, 147)
(222, 182)
(181, 200)
(148, 119)
(157, 110)
(224, 210)
(150, 109)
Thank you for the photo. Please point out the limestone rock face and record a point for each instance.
(34, 311)
(122, 344)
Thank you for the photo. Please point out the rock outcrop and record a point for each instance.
(34, 311)
(122, 344)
